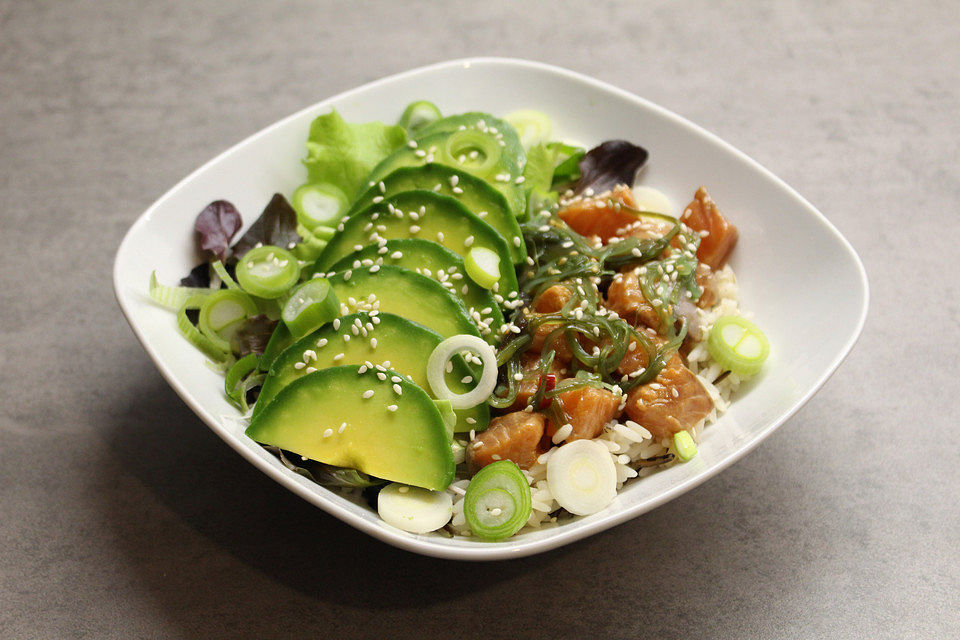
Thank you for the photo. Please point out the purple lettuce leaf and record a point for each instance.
(611, 163)
(277, 226)
(216, 225)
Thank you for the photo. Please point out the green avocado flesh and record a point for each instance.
(513, 148)
(430, 259)
(404, 344)
(407, 444)
(405, 293)
(475, 194)
(433, 143)
(426, 215)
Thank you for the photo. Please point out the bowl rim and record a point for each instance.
(509, 548)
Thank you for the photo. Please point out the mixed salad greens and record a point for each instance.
(377, 319)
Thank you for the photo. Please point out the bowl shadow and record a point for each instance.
(215, 493)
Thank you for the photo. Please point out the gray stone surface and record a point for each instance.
(124, 517)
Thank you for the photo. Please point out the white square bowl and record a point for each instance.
(791, 263)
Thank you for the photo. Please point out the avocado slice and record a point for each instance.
(324, 416)
(404, 344)
(501, 129)
(475, 194)
(496, 161)
(420, 214)
(404, 292)
(437, 262)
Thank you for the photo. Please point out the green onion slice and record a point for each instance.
(738, 345)
(221, 309)
(213, 350)
(268, 271)
(173, 297)
(498, 502)
(310, 306)
(684, 445)
(474, 151)
(483, 266)
(236, 374)
(437, 366)
(418, 115)
(221, 271)
(319, 204)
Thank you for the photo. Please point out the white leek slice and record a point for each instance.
(436, 370)
(533, 127)
(653, 200)
(582, 477)
(414, 509)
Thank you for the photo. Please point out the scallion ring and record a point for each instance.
(436, 370)
(268, 271)
(497, 503)
(738, 345)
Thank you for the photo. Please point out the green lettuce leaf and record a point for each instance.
(538, 172)
(344, 154)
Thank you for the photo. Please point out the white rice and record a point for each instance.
(628, 442)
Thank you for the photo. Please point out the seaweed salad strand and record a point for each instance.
(558, 255)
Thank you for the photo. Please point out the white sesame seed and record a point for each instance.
(381, 375)
(414, 229)
(368, 394)
(338, 357)
(396, 255)
(299, 365)
(328, 433)
(342, 427)
(397, 390)
(468, 241)
(391, 407)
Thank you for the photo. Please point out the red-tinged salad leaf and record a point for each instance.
(277, 225)
(216, 225)
(609, 164)
(253, 336)
(199, 276)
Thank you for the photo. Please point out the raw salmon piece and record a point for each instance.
(674, 401)
(587, 410)
(636, 358)
(625, 297)
(553, 299)
(707, 281)
(717, 235)
(515, 436)
(542, 342)
(601, 216)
